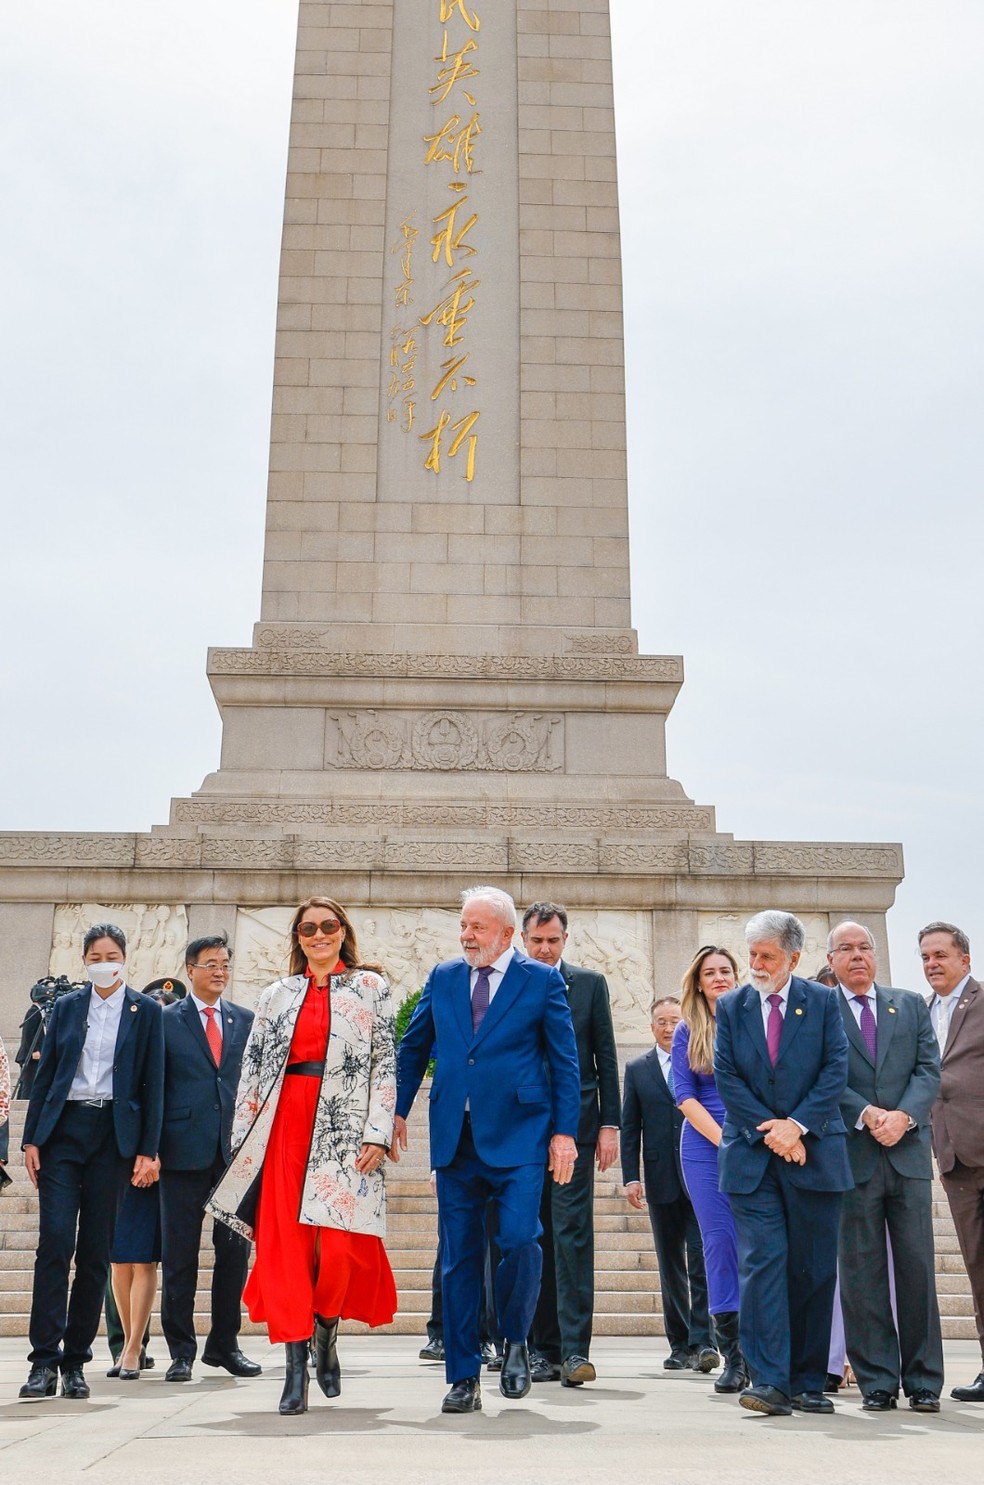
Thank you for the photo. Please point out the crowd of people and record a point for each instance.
(780, 1134)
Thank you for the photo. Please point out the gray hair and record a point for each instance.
(500, 902)
(663, 1000)
(960, 940)
(849, 923)
(785, 928)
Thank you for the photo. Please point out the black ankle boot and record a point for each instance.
(327, 1369)
(735, 1374)
(295, 1394)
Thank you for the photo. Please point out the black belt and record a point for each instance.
(91, 1103)
(307, 1069)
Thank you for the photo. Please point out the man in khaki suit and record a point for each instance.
(956, 1009)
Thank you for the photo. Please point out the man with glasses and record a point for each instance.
(892, 1080)
(204, 1039)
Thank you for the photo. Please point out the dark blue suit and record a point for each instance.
(199, 1102)
(86, 1155)
(787, 1215)
(521, 1081)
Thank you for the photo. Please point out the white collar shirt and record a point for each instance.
(202, 1008)
(941, 1011)
(766, 1007)
(496, 970)
(94, 1074)
(852, 1000)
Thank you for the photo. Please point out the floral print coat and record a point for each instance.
(355, 1105)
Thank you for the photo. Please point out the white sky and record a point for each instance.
(802, 233)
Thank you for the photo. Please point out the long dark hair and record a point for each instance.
(349, 951)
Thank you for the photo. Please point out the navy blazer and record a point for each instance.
(519, 1075)
(138, 1071)
(200, 1098)
(806, 1084)
(649, 1111)
(904, 1074)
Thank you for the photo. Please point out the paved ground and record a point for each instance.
(636, 1422)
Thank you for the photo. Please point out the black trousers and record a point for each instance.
(183, 1196)
(874, 1347)
(565, 1310)
(682, 1279)
(81, 1182)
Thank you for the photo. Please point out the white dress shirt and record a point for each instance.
(496, 970)
(94, 1074)
(766, 1007)
(665, 1063)
(202, 1008)
(941, 1011)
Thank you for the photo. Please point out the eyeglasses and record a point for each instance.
(214, 966)
(328, 926)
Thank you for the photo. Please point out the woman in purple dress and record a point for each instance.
(710, 974)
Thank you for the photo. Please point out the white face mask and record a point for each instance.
(104, 975)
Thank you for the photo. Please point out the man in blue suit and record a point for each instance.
(93, 1122)
(780, 1062)
(204, 1039)
(506, 1098)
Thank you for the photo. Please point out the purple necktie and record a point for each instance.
(773, 1032)
(869, 1026)
(480, 1000)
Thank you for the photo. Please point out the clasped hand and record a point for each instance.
(886, 1126)
(784, 1137)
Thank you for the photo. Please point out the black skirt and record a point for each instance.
(137, 1238)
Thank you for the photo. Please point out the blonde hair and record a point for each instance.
(696, 1012)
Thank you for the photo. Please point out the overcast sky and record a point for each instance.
(802, 232)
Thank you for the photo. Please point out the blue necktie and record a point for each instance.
(669, 1078)
(480, 999)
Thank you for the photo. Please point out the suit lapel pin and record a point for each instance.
(133, 1010)
(891, 1010)
(799, 1010)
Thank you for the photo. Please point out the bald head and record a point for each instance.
(851, 955)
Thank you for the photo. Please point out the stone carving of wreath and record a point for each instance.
(444, 740)
(518, 743)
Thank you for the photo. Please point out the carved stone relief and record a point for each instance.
(728, 930)
(600, 644)
(309, 652)
(408, 943)
(447, 741)
(714, 856)
(156, 936)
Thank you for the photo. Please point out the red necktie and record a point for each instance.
(773, 1031)
(213, 1035)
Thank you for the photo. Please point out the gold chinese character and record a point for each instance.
(463, 429)
(448, 8)
(451, 369)
(452, 237)
(454, 143)
(452, 311)
(409, 407)
(454, 69)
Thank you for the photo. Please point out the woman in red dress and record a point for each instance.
(313, 1122)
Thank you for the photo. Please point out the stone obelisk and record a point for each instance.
(443, 686)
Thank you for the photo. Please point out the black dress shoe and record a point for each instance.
(542, 1370)
(924, 1401)
(763, 1399)
(514, 1379)
(326, 1366)
(147, 1363)
(575, 1371)
(114, 1370)
(495, 1363)
(433, 1351)
(706, 1360)
(464, 1397)
(126, 1375)
(234, 1362)
(74, 1384)
(42, 1382)
(832, 1382)
(679, 1361)
(878, 1401)
(179, 1370)
(973, 1393)
(811, 1402)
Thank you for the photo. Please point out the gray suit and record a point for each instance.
(893, 1188)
